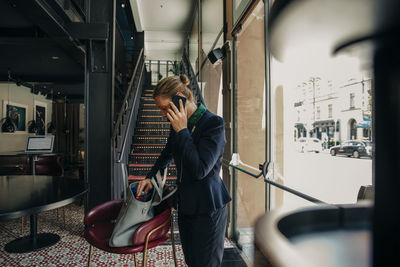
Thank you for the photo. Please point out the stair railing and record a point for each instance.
(188, 70)
(124, 128)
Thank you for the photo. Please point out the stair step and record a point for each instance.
(171, 180)
(149, 140)
(143, 171)
(143, 148)
(147, 164)
(143, 159)
(150, 112)
(148, 105)
(152, 118)
(153, 125)
(147, 100)
(157, 132)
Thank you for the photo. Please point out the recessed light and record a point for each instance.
(55, 57)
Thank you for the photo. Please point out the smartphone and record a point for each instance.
(175, 100)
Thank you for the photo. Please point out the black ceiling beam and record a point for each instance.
(89, 31)
(28, 41)
(46, 79)
(38, 60)
(53, 23)
(21, 32)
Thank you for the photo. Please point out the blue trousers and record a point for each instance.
(202, 237)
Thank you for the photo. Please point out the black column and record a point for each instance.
(386, 126)
(138, 44)
(99, 102)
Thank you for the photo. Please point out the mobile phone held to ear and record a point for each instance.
(175, 100)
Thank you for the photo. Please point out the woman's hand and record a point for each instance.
(144, 185)
(178, 118)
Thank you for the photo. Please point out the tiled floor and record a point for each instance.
(72, 249)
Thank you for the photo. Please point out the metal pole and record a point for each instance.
(236, 233)
(268, 130)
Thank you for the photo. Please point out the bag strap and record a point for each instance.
(124, 172)
(159, 188)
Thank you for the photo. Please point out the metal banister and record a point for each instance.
(122, 110)
(121, 152)
(264, 173)
(188, 70)
(124, 128)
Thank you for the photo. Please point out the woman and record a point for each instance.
(196, 145)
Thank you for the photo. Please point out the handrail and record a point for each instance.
(121, 112)
(121, 153)
(264, 173)
(190, 73)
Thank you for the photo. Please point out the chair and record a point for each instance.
(100, 223)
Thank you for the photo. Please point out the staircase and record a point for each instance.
(149, 139)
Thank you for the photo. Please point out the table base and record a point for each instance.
(28, 244)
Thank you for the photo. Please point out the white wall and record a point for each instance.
(23, 96)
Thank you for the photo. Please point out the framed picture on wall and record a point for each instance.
(239, 9)
(17, 113)
(40, 117)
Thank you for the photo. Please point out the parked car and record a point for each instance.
(353, 148)
(308, 145)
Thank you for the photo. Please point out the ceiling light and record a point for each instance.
(55, 57)
(123, 5)
(131, 37)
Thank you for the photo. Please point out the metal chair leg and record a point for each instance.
(144, 255)
(22, 225)
(63, 209)
(90, 255)
(134, 256)
(148, 238)
(173, 240)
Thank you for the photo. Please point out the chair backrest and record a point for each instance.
(160, 221)
(47, 165)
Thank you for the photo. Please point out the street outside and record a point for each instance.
(332, 179)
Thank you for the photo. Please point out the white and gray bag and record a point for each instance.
(135, 212)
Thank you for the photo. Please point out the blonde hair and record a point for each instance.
(170, 86)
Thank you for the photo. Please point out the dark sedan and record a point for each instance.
(353, 148)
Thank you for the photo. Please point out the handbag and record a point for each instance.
(135, 212)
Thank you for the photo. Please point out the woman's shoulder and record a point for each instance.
(213, 119)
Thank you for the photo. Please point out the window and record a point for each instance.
(317, 173)
(352, 97)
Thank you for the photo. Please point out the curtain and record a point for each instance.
(66, 120)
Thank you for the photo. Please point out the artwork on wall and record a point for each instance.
(40, 117)
(17, 113)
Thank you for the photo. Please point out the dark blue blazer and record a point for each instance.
(198, 158)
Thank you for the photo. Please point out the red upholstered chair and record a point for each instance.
(100, 223)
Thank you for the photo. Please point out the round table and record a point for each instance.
(25, 195)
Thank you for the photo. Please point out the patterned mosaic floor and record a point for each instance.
(72, 249)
